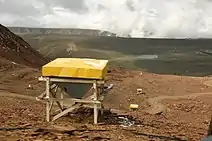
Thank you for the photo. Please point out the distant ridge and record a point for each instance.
(60, 31)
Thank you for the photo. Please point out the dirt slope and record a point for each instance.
(185, 119)
(14, 48)
(181, 122)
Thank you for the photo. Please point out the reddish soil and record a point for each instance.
(185, 118)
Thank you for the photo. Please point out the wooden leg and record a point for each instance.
(53, 95)
(210, 128)
(51, 105)
(95, 114)
(48, 102)
(102, 109)
(95, 105)
(61, 96)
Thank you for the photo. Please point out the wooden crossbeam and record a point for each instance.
(71, 80)
(73, 100)
(42, 95)
(70, 109)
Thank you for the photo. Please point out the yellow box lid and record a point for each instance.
(76, 67)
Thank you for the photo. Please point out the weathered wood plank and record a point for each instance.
(38, 98)
(73, 100)
(71, 80)
(47, 103)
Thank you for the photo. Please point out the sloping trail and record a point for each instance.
(156, 105)
(14, 95)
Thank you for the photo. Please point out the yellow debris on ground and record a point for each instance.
(133, 106)
(76, 68)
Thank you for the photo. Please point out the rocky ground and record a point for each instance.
(170, 107)
(184, 118)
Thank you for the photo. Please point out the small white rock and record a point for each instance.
(30, 86)
(139, 91)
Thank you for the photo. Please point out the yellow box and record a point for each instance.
(76, 68)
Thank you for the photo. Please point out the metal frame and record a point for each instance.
(50, 96)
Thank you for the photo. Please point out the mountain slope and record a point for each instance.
(14, 48)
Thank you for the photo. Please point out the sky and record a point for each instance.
(137, 18)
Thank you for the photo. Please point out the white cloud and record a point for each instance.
(160, 18)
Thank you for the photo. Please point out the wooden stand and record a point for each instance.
(50, 96)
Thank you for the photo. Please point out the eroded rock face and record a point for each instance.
(14, 48)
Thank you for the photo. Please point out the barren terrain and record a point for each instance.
(185, 114)
(170, 108)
